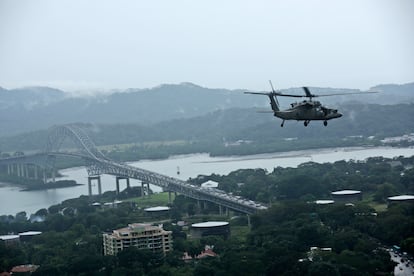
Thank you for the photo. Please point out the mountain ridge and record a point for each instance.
(32, 108)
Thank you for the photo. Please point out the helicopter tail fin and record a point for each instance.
(274, 103)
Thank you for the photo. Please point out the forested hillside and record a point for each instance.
(218, 131)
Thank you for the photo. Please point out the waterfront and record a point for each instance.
(190, 166)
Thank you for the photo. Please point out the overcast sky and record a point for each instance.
(79, 44)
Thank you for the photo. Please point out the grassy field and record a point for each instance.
(369, 199)
(379, 207)
(159, 199)
(123, 147)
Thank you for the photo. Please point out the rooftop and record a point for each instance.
(9, 237)
(27, 268)
(30, 233)
(210, 224)
(346, 192)
(324, 201)
(157, 209)
(402, 197)
(210, 184)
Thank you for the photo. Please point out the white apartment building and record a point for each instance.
(140, 235)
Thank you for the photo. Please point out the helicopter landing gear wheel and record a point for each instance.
(325, 123)
(305, 123)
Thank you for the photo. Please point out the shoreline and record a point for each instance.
(191, 166)
(49, 187)
(282, 155)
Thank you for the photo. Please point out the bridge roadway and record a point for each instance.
(97, 166)
(105, 166)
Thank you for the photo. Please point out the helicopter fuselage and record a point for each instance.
(307, 111)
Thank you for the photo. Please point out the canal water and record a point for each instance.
(12, 200)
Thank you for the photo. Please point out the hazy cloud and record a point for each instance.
(232, 44)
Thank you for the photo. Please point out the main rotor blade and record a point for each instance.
(258, 93)
(351, 93)
(289, 95)
(275, 94)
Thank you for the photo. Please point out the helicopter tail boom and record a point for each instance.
(274, 103)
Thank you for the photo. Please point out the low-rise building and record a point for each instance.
(210, 184)
(140, 235)
(26, 269)
(347, 196)
(401, 198)
(207, 252)
(10, 240)
(28, 236)
(210, 228)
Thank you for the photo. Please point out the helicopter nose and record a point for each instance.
(336, 113)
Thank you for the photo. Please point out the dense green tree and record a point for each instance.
(383, 191)
(322, 268)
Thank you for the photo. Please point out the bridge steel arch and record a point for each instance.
(58, 134)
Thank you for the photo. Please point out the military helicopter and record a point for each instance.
(307, 110)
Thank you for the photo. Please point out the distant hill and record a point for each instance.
(28, 109)
(34, 108)
(229, 125)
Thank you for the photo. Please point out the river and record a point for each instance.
(12, 200)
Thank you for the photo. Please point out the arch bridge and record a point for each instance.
(97, 163)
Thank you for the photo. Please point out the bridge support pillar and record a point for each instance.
(117, 183)
(18, 170)
(90, 179)
(169, 197)
(23, 170)
(8, 169)
(36, 176)
(205, 206)
(248, 222)
(143, 188)
(26, 171)
(53, 175)
(99, 186)
(220, 210)
(44, 176)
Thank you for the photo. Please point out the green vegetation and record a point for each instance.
(278, 243)
(152, 200)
